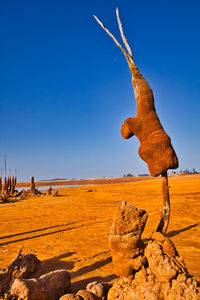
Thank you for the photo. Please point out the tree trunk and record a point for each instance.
(165, 213)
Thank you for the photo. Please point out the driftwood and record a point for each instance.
(4, 198)
(23, 266)
(49, 191)
(155, 145)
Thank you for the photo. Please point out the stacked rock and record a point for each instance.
(125, 239)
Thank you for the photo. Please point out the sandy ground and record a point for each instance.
(71, 231)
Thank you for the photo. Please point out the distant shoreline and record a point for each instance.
(93, 181)
(79, 182)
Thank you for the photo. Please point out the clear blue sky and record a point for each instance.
(66, 87)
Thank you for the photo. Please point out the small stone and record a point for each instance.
(71, 297)
(86, 295)
(99, 289)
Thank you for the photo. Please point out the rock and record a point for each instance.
(71, 297)
(86, 295)
(48, 287)
(125, 239)
(164, 276)
(27, 289)
(160, 265)
(99, 289)
(156, 272)
(129, 219)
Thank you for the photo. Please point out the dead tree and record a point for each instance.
(15, 176)
(9, 184)
(5, 186)
(33, 190)
(0, 184)
(12, 189)
(155, 145)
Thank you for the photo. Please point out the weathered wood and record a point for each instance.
(165, 213)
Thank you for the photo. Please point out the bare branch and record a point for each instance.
(122, 34)
(128, 57)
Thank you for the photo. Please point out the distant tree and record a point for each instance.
(186, 171)
(128, 175)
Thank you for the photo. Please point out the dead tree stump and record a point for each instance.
(33, 190)
(155, 145)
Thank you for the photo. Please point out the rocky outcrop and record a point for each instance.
(162, 273)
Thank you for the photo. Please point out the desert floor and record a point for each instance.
(71, 231)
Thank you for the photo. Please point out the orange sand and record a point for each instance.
(71, 231)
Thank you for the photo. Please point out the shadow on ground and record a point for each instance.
(81, 284)
(44, 228)
(39, 235)
(57, 263)
(91, 267)
(175, 232)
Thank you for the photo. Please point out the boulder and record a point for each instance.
(50, 286)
